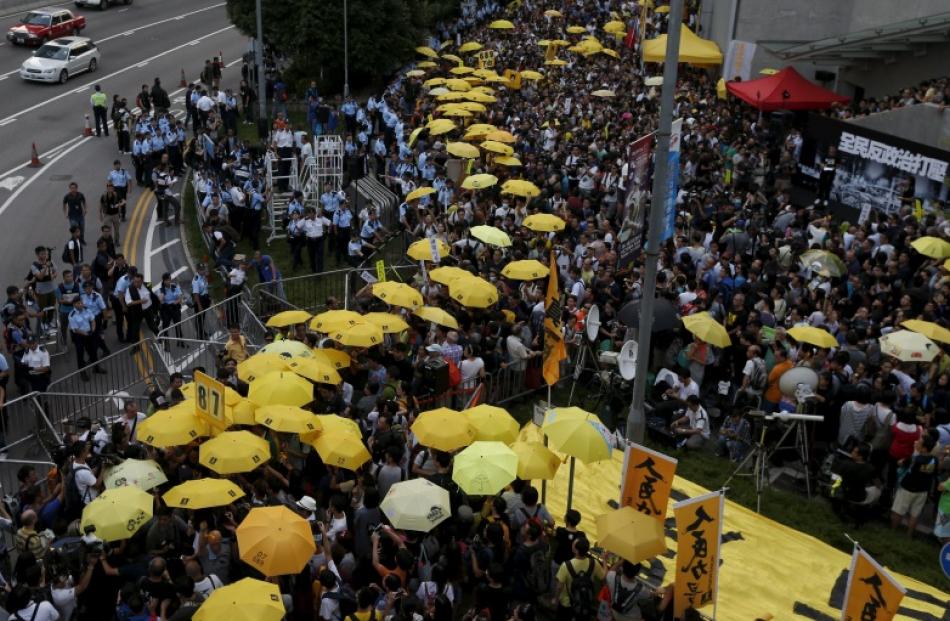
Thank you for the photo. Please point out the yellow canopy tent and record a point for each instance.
(693, 50)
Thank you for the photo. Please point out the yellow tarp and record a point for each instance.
(693, 49)
(766, 567)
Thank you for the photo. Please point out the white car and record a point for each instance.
(101, 4)
(61, 59)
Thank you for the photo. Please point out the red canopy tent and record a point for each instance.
(785, 90)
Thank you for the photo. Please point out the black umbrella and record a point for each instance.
(664, 315)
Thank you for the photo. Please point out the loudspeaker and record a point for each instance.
(824, 76)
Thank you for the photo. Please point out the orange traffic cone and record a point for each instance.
(35, 158)
(87, 130)
(183, 82)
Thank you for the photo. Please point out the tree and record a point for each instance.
(382, 34)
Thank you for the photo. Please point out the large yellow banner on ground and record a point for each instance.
(872, 594)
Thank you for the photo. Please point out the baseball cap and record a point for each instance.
(434, 349)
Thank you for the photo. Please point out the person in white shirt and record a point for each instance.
(131, 418)
(37, 360)
(693, 427)
(471, 368)
(65, 593)
(205, 584)
(86, 479)
(316, 226)
(23, 608)
(138, 302)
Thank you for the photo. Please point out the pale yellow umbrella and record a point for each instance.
(473, 292)
(556, 62)
(479, 97)
(909, 346)
(615, 27)
(472, 106)
(463, 149)
(491, 235)
(576, 29)
(427, 51)
(415, 73)
(445, 275)
(434, 82)
(501, 135)
(507, 160)
(609, 52)
(521, 187)
(458, 84)
(501, 24)
(448, 95)
(387, 322)
(471, 46)
(440, 126)
(604, 92)
(363, 334)
(929, 329)
(435, 92)
(461, 70)
(426, 64)
(479, 182)
(497, 147)
(437, 315)
(530, 74)
(453, 58)
(932, 247)
(552, 13)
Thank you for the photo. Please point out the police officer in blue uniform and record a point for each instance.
(169, 297)
(201, 298)
(120, 181)
(93, 302)
(82, 328)
(342, 227)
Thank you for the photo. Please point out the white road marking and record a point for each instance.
(149, 233)
(39, 174)
(168, 244)
(46, 154)
(10, 183)
(142, 64)
(179, 272)
(7, 122)
(81, 89)
(122, 10)
(127, 33)
(113, 74)
(233, 62)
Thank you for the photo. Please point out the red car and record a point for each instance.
(42, 25)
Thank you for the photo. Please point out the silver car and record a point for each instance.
(61, 59)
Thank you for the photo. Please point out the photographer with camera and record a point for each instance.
(65, 590)
(82, 481)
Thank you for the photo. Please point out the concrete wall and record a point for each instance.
(927, 124)
(886, 78)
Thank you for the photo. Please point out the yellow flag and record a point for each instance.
(871, 592)
(554, 350)
(647, 480)
(698, 535)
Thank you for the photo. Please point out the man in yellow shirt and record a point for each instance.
(588, 573)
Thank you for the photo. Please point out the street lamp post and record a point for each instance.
(346, 53)
(259, 62)
(636, 417)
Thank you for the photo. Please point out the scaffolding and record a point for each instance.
(328, 165)
(282, 180)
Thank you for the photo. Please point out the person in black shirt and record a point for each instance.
(915, 476)
(74, 208)
(856, 475)
(565, 535)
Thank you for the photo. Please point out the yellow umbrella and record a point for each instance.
(946, 265)
(417, 505)
(560, 43)
(286, 419)
(446, 44)
(437, 315)
(461, 70)
(341, 449)
(426, 64)
(615, 27)
(578, 433)
(422, 250)
(529, 74)
(242, 413)
(473, 292)
(419, 193)
(472, 106)
(440, 126)
(275, 541)
(485, 468)
(655, 80)
(234, 452)
(492, 423)
(280, 388)
(244, 600)
(535, 461)
(704, 327)
(609, 52)
(552, 13)
(527, 269)
(445, 275)
(662, 9)
(331, 320)
(496, 147)
(813, 336)
(389, 323)
(259, 364)
(202, 494)
(142, 473)
(823, 262)
(446, 95)
(398, 293)
(288, 318)
(462, 149)
(433, 82)
(500, 135)
(768, 71)
(575, 29)
(909, 346)
(363, 334)
(932, 247)
(443, 429)
(175, 426)
(316, 370)
(631, 535)
(118, 513)
(457, 84)
(457, 112)
(929, 329)
(604, 93)
(287, 348)
(479, 182)
(520, 187)
(491, 235)
(501, 24)
(544, 223)
(335, 357)
(415, 73)
(427, 51)
(335, 424)
(480, 97)
(479, 129)
(471, 46)
(453, 58)
(507, 160)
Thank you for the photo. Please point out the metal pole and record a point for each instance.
(636, 419)
(346, 53)
(259, 62)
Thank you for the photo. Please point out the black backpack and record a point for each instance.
(582, 590)
(624, 600)
(73, 501)
(346, 598)
(538, 578)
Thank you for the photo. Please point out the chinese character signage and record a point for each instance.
(647, 480)
(699, 533)
(872, 594)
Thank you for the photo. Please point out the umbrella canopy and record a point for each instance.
(443, 429)
(341, 449)
(281, 388)
(479, 182)
(656, 80)
(556, 62)
(704, 327)
(932, 247)
(462, 149)
(458, 84)
(287, 348)
(471, 46)
(440, 126)
(422, 251)
(604, 93)
(931, 330)
(363, 334)
(485, 468)
(286, 419)
(508, 160)
(496, 147)
(615, 26)
(419, 193)
(520, 187)
(500, 135)
(526, 269)
(234, 452)
(544, 223)
(339, 359)
(244, 600)
(454, 58)
(416, 505)
(479, 96)
(823, 262)
(242, 413)
(275, 541)
(501, 24)
(398, 294)
(578, 433)
(784, 90)
(813, 336)
(316, 370)
(552, 13)
(288, 318)
(491, 235)
(331, 320)
(259, 364)
(473, 292)
(387, 322)
(142, 473)
(461, 70)
(426, 64)
(172, 427)
(693, 49)
(492, 423)
(535, 461)
(909, 346)
(118, 513)
(530, 74)
(428, 52)
(631, 535)
(202, 494)
(433, 82)
(664, 315)
(446, 274)
(575, 29)
(438, 316)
